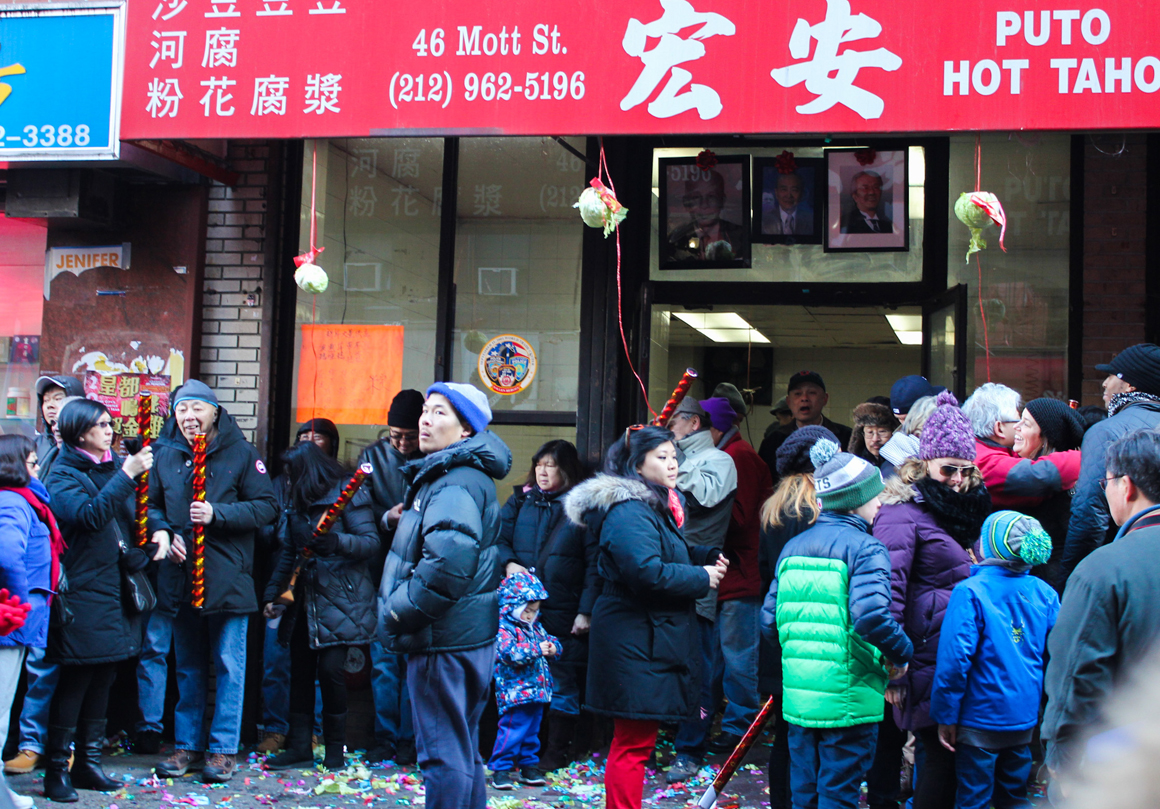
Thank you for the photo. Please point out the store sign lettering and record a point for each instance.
(634, 67)
(76, 260)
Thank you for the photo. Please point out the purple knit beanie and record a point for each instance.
(947, 433)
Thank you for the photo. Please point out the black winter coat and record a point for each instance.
(388, 487)
(238, 488)
(535, 533)
(335, 591)
(93, 504)
(644, 648)
(438, 588)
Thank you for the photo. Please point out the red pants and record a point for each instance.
(632, 744)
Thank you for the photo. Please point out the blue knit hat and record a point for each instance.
(468, 401)
(1014, 540)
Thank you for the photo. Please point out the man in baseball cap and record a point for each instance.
(1132, 394)
(806, 396)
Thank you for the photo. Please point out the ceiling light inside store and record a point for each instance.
(907, 328)
(722, 327)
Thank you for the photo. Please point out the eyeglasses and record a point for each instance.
(32, 462)
(949, 470)
(103, 423)
(1105, 481)
(404, 435)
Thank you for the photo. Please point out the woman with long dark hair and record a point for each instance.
(334, 599)
(535, 535)
(643, 650)
(92, 497)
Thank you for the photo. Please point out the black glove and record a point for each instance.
(301, 530)
(134, 559)
(325, 545)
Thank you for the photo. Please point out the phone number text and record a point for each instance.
(439, 88)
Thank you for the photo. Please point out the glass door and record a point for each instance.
(944, 340)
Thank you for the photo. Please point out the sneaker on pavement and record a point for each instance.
(272, 743)
(147, 743)
(724, 743)
(532, 777)
(502, 780)
(25, 761)
(21, 801)
(181, 762)
(219, 768)
(406, 754)
(684, 768)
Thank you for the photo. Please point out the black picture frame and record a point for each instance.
(767, 220)
(843, 169)
(679, 242)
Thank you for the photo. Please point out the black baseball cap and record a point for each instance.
(908, 390)
(1138, 365)
(805, 378)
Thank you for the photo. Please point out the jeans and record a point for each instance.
(517, 740)
(42, 679)
(196, 640)
(827, 765)
(153, 670)
(393, 723)
(11, 662)
(449, 692)
(884, 781)
(992, 777)
(565, 687)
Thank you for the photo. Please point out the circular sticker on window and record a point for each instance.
(507, 364)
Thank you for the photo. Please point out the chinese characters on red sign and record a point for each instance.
(118, 392)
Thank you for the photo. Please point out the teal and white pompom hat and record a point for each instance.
(1014, 540)
(843, 481)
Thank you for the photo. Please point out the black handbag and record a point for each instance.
(60, 614)
(136, 589)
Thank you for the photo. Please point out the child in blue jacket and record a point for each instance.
(523, 683)
(989, 677)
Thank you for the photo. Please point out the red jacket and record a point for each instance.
(1016, 482)
(754, 487)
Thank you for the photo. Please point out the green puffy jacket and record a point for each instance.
(830, 608)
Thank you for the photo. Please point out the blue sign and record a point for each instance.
(60, 82)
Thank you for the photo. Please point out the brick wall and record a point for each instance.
(236, 314)
(1113, 251)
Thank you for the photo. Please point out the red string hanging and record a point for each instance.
(978, 263)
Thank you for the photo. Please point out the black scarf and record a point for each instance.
(960, 514)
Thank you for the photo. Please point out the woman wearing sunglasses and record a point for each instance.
(929, 521)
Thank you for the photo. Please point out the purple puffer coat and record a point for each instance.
(925, 565)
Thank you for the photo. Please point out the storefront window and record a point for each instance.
(517, 271)
(802, 261)
(21, 313)
(1024, 290)
(372, 332)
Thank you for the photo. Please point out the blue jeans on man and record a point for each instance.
(992, 777)
(42, 677)
(827, 765)
(198, 640)
(392, 698)
(153, 670)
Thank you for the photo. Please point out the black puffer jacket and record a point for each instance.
(335, 591)
(238, 488)
(535, 533)
(93, 504)
(438, 588)
(644, 652)
(388, 487)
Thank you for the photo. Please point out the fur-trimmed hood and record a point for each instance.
(602, 492)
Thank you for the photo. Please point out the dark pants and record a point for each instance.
(82, 692)
(935, 786)
(328, 664)
(884, 781)
(693, 734)
(992, 777)
(827, 765)
(517, 741)
(779, 795)
(448, 695)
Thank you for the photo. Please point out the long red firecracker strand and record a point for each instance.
(675, 400)
(144, 416)
(709, 799)
(198, 587)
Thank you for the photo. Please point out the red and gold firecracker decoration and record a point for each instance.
(144, 416)
(198, 587)
(325, 523)
(675, 400)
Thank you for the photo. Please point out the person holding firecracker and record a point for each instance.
(210, 582)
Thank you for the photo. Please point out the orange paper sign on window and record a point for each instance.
(349, 374)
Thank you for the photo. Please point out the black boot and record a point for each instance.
(561, 730)
(334, 734)
(297, 752)
(57, 783)
(86, 771)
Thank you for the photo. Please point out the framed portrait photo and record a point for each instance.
(866, 200)
(791, 199)
(704, 213)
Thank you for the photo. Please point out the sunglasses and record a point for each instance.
(630, 430)
(949, 470)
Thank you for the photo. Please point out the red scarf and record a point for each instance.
(46, 516)
(675, 507)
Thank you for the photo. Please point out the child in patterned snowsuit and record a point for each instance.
(523, 684)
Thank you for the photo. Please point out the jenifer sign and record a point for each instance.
(333, 68)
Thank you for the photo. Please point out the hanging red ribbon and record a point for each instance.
(978, 263)
(309, 256)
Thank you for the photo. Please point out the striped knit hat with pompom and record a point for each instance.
(843, 481)
(1014, 540)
